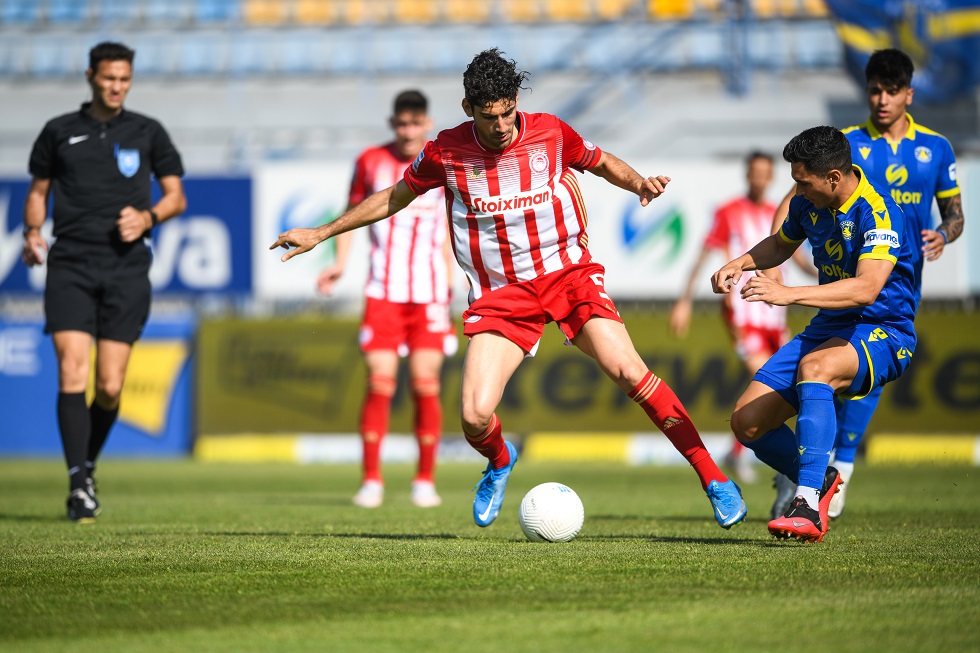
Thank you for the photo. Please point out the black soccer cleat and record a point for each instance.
(81, 507)
(90, 490)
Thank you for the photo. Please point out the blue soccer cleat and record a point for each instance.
(490, 491)
(726, 499)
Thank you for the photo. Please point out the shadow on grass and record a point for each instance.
(34, 518)
(366, 536)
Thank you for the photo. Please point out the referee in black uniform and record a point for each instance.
(97, 162)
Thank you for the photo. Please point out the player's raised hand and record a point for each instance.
(652, 188)
(302, 240)
(725, 279)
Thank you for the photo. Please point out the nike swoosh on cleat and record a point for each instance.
(799, 524)
(486, 513)
(721, 514)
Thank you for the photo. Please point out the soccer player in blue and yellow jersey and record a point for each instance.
(915, 164)
(861, 338)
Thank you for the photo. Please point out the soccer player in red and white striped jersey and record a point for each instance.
(407, 307)
(519, 234)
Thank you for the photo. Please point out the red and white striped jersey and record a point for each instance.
(738, 226)
(517, 213)
(407, 264)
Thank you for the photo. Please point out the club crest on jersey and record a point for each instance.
(847, 229)
(128, 162)
(923, 154)
(539, 162)
(588, 144)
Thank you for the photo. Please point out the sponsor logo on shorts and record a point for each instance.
(473, 318)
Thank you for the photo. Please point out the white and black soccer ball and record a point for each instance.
(551, 512)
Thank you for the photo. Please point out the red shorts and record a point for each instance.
(752, 340)
(405, 327)
(570, 297)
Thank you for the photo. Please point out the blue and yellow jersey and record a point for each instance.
(914, 170)
(869, 225)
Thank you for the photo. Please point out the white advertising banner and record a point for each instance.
(647, 251)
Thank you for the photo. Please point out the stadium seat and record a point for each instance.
(612, 9)
(19, 12)
(415, 11)
(466, 11)
(358, 12)
(520, 11)
(568, 10)
(202, 53)
(216, 11)
(264, 12)
(161, 13)
(67, 12)
(314, 12)
(670, 9)
(120, 11)
(815, 8)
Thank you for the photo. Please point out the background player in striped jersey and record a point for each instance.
(861, 338)
(756, 328)
(518, 228)
(407, 305)
(915, 164)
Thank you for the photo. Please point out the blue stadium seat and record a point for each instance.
(19, 12)
(252, 53)
(120, 11)
(216, 11)
(67, 12)
(201, 54)
(166, 12)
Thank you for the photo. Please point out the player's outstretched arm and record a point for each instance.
(934, 241)
(619, 173)
(860, 290)
(383, 204)
(770, 252)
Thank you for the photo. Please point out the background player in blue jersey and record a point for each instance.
(861, 338)
(915, 164)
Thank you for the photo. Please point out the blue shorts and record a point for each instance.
(883, 354)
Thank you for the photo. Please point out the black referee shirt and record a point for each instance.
(97, 169)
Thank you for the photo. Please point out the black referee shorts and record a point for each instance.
(100, 289)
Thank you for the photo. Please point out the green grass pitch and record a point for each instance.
(195, 557)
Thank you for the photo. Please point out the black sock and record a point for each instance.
(102, 421)
(73, 421)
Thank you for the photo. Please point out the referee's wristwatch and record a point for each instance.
(28, 229)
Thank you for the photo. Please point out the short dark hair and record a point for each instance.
(820, 150)
(410, 100)
(891, 67)
(757, 154)
(109, 51)
(490, 77)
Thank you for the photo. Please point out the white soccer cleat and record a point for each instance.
(424, 494)
(371, 494)
(836, 508)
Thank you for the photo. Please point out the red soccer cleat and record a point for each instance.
(800, 522)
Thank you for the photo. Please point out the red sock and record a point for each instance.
(490, 443)
(665, 409)
(428, 425)
(374, 423)
(737, 449)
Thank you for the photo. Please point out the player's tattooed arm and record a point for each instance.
(951, 212)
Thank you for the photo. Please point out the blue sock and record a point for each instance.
(853, 417)
(816, 427)
(777, 448)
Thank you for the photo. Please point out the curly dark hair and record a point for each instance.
(491, 77)
(891, 67)
(820, 150)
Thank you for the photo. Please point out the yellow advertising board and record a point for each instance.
(306, 374)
